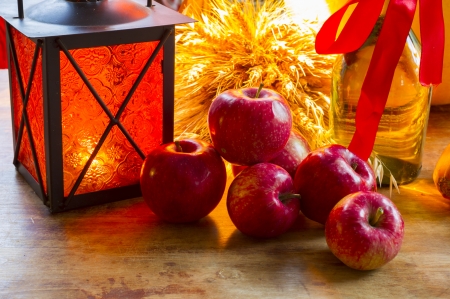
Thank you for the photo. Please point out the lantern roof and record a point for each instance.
(45, 18)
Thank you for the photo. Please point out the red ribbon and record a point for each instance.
(387, 52)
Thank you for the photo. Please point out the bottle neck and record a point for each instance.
(373, 37)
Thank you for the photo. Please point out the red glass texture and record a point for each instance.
(24, 48)
(112, 71)
(3, 60)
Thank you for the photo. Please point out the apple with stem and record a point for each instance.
(261, 201)
(364, 230)
(183, 181)
(249, 125)
(327, 175)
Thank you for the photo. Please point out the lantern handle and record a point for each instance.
(20, 8)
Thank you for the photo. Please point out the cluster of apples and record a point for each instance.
(276, 177)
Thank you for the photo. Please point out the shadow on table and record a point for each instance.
(297, 260)
(130, 227)
(130, 230)
(420, 200)
(303, 231)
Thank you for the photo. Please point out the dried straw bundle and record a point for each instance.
(239, 43)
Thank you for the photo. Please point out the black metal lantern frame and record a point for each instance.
(50, 40)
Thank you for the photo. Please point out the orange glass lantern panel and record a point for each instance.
(112, 71)
(24, 49)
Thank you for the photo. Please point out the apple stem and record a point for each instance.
(354, 166)
(259, 90)
(285, 196)
(377, 216)
(178, 146)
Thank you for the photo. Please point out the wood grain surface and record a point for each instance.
(121, 250)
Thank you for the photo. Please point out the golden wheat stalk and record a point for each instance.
(240, 43)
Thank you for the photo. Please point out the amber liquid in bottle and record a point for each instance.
(402, 129)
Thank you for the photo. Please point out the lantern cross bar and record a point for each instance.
(114, 120)
(142, 73)
(24, 122)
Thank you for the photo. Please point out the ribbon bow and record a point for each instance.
(387, 52)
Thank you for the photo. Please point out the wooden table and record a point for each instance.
(121, 250)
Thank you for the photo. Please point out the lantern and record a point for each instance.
(92, 91)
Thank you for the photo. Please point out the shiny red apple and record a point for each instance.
(183, 181)
(295, 150)
(327, 175)
(365, 230)
(261, 202)
(249, 126)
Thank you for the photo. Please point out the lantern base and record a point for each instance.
(56, 204)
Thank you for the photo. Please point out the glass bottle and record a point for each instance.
(402, 129)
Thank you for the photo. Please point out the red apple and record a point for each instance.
(261, 202)
(183, 181)
(327, 175)
(295, 150)
(289, 157)
(364, 230)
(248, 128)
